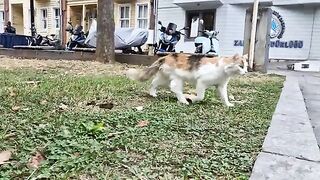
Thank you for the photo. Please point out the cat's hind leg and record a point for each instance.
(159, 80)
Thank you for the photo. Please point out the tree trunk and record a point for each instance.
(105, 32)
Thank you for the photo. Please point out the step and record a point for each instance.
(290, 136)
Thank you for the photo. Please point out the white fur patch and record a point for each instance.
(132, 74)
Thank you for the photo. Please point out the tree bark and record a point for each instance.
(105, 32)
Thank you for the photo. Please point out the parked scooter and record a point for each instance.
(38, 40)
(208, 43)
(77, 38)
(169, 37)
(53, 41)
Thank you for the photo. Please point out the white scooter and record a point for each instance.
(207, 43)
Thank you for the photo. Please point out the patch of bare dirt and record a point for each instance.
(74, 67)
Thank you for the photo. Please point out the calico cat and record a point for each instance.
(174, 69)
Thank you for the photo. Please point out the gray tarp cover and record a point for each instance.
(123, 37)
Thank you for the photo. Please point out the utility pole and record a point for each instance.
(105, 32)
(33, 27)
(253, 32)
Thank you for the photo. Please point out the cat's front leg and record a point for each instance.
(223, 93)
(200, 90)
(176, 86)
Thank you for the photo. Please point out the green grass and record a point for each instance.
(201, 141)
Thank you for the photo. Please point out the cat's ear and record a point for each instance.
(236, 56)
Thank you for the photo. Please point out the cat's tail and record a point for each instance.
(146, 73)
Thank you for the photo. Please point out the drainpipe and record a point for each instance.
(63, 20)
(6, 10)
(33, 28)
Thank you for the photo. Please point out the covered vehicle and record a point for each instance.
(124, 38)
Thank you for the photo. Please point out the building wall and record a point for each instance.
(298, 22)
(49, 5)
(230, 20)
(1, 18)
(315, 44)
(25, 29)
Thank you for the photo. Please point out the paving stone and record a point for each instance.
(292, 136)
(275, 167)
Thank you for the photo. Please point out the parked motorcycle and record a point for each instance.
(38, 40)
(208, 43)
(77, 38)
(53, 41)
(169, 37)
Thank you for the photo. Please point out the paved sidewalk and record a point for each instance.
(290, 150)
(310, 86)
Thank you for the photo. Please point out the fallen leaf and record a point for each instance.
(10, 135)
(43, 102)
(32, 82)
(16, 108)
(231, 97)
(12, 94)
(106, 105)
(139, 108)
(5, 156)
(91, 103)
(36, 160)
(63, 106)
(143, 123)
(115, 133)
(25, 109)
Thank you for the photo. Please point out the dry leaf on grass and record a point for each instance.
(32, 82)
(36, 160)
(63, 107)
(143, 123)
(5, 156)
(106, 105)
(115, 133)
(139, 108)
(16, 108)
(12, 94)
(43, 102)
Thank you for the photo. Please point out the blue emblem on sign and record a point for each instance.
(277, 25)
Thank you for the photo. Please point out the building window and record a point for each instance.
(44, 18)
(143, 16)
(56, 16)
(124, 16)
(207, 17)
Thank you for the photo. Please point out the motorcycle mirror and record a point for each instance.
(159, 22)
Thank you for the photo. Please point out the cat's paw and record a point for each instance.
(190, 98)
(184, 102)
(229, 105)
(153, 94)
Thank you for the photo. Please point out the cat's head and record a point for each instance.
(239, 65)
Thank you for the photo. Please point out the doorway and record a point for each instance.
(17, 18)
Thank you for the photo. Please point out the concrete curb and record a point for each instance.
(290, 149)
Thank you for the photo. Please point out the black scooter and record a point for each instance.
(169, 37)
(77, 38)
